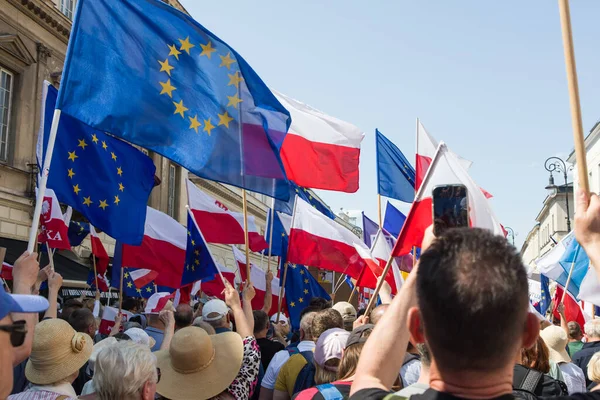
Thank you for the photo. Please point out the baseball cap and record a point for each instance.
(330, 345)
(20, 303)
(140, 336)
(347, 310)
(217, 308)
(282, 318)
(356, 336)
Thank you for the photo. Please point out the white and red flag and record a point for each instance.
(376, 259)
(258, 279)
(99, 252)
(54, 229)
(320, 242)
(320, 151)
(6, 273)
(108, 319)
(162, 249)
(445, 169)
(142, 277)
(220, 225)
(215, 286)
(157, 302)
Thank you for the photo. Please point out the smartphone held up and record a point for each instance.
(450, 208)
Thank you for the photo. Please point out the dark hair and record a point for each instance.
(68, 307)
(308, 309)
(320, 303)
(326, 319)
(184, 316)
(574, 330)
(130, 304)
(261, 320)
(81, 320)
(472, 293)
(537, 356)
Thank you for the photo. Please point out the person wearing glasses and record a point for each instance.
(16, 313)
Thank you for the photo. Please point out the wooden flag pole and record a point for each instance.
(50, 256)
(567, 36)
(373, 298)
(121, 290)
(352, 294)
(338, 284)
(281, 287)
(271, 234)
(95, 272)
(379, 211)
(246, 241)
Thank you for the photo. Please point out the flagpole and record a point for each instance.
(570, 273)
(567, 36)
(204, 240)
(281, 287)
(245, 210)
(338, 284)
(121, 290)
(95, 271)
(379, 211)
(373, 298)
(271, 233)
(414, 255)
(352, 294)
(50, 256)
(37, 211)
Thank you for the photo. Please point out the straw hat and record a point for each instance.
(57, 352)
(199, 366)
(556, 340)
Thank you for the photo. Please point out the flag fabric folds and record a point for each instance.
(445, 169)
(108, 319)
(280, 234)
(320, 242)
(320, 151)
(393, 220)
(99, 252)
(170, 85)
(573, 311)
(137, 282)
(78, 231)
(103, 283)
(220, 225)
(395, 175)
(105, 179)
(545, 297)
(214, 287)
(300, 287)
(53, 229)
(199, 262)
(287, 207)
(370, 229)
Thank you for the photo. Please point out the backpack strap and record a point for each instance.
(292, 350)
(531, 380)
(308, 355)
(330, 392)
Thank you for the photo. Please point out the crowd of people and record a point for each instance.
(459, 327)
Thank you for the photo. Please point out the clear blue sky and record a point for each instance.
(486, 77)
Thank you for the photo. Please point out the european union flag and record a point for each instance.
(395, 175)
(370, 229)
(199, 262)
(545, 298)
(105, 179)
(279, 240)
(146, 72)
(295, 190)
(393, 220)
(300, 287)
(78, 231)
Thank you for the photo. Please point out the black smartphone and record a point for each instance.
(450, 208)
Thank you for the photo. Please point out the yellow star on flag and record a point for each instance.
(234, 79)
(292, 304)
(113, 156)
(117, 200)
(121, 187)
(76, 189)
(119, 171)
(138, 290)
(197, 262)
(103, 204)
(305, 291)
(301, 272)
(207, 49)
(82, 143)
(126, 275)
(167, 88)
(165, 67)
(174, 51)
(71, 173)
(193, 242)
(104, 145)
(193, 268)
(208, 126)
(72, 155)
(148, 289)
(306, 281)
(180, 108)
(234, 101)
(196, 252)
(194, 123)
(187, 267)
(226, 61)
(185, 45)
(87, 201)
(301, 300)
(224, 119)
(94, 138)
(129, 284)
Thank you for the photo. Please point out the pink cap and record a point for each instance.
(330, 345)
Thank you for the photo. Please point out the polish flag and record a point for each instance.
(157, 302)
(162, 249)
(369, 276)
(426, 148)
(142, 277)
(320, 242)
(258, 279)
(218, 224)
(108, 319)
(573, 311)
(183, 295)
(320, 151)
(6, 272)
(445, 169)
(54, 230)
(215, 286)
(99, 251)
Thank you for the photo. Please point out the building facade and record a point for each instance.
(592, 149)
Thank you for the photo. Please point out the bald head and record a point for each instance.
(377, 313)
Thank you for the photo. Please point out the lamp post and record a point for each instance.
(511, 232)
(555, 164)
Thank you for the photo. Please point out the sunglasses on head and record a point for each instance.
(17, 331)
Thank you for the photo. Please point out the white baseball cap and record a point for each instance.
(282, 319)
(330, 345)
(214, 310)
(140, 337)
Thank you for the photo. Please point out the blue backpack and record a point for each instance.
(306, 376)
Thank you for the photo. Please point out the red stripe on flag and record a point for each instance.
(225, 229)
(418, 220)
(158, 255)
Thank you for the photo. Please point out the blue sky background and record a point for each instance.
(486, 77)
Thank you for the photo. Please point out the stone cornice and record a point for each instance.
(47, 15)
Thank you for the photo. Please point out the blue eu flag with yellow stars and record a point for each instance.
(104, 178)
(295, 190)
(150, 74)
(395, 175)
(199, 262)
(300, 287)
(78, 231)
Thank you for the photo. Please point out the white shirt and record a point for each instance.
(574, 377)
(277, 362)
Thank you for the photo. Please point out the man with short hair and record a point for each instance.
(592, 346)
(268, 347)
(216, 313)
(184, 316)
(377, 313)
(82, 320)
(575, 335)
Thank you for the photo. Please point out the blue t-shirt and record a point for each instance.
(157, 335)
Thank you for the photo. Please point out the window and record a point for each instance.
(67, 7)
(6, 88)
(172, 190)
